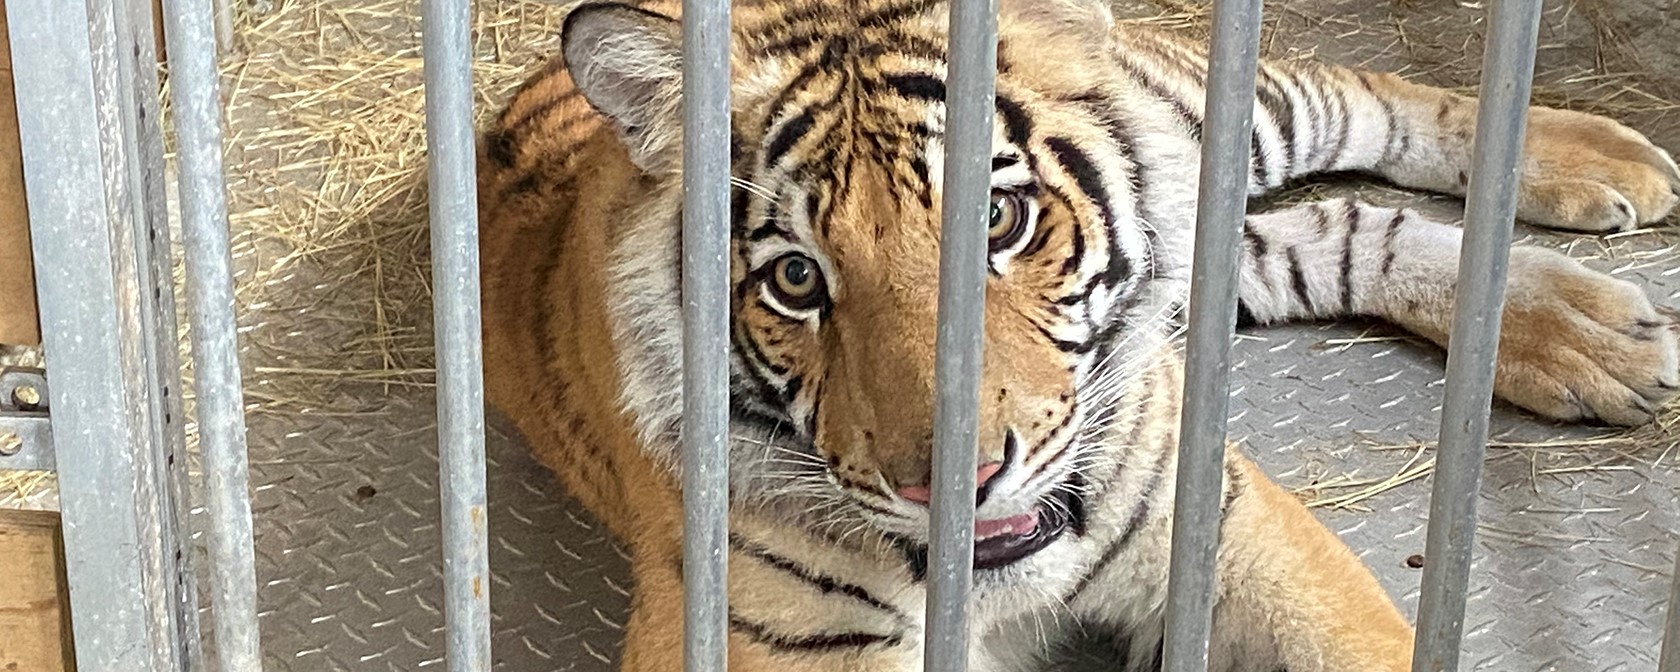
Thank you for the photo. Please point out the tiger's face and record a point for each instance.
(838, 132)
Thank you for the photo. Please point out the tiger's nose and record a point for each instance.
(922, 494)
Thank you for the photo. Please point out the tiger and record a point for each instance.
(836, 131)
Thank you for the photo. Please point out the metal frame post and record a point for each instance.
(1473, 344)
(970, 106)
(705, 319)
(1220, 207)
(195, 92)
(81, 137)
(450, 168)
(124, 50)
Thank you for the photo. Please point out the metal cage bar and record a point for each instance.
(120, 520)
(1473, 344)
(970, 106)
(705, 320)
(1221, 202)
(446, 53)
(195, 93)
(121, 33)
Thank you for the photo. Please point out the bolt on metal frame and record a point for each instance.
(92, 143)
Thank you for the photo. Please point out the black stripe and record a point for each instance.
(900, 43)
(1186, 114)
(1076, 256)
(1073, 347)
(1257, 169)
(1017, 127)
(500, 148)
(1309, 104)
(1352, 216)
(750, 416)
(1388, 241)
(1321, 220)
(811, 643)
(1090, 180)
(1255, 241)
(739, 200)
(1065, 447)
(1390, 120)
(790, 391)
(824, 584)
(915, 557)
(797, 85)
(1078, 164)
(1298, 282)
(542, 322)
(1283, 116)
(1120, 132)
(745, 343)
(790, 133)
(915, 86)
(1342, 129)
(1245, 316)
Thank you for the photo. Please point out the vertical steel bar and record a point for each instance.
(450, 168)
(116, 516)
(1473, 344)
(1232, 62)
(705, 292)
(970, 106)
(224, 25)
(1670, 660)
(126, 80)
(195, 92)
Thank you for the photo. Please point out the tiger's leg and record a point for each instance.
(796, 603)
(1291, 595)
(653, 638)
(1580, 172)
(1576, 344)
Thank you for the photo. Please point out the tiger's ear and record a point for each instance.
(627, 62)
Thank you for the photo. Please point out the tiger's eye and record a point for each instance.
(797, 281)
(1009, 220)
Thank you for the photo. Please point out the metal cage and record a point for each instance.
(93, 146)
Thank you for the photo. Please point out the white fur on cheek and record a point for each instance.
(644, 291)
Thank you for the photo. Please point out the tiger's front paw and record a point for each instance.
(1584, 172)
(1579, 345)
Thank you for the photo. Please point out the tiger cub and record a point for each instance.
(838, 120)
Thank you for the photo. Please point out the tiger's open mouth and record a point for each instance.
(1003, 542)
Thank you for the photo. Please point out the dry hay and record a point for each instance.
(327, 176)
(326, 158)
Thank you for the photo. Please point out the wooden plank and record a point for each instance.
(34, 596)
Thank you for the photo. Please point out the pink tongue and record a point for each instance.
(1013, 525)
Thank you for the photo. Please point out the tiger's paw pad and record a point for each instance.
(1588, 173)
(1579, 345)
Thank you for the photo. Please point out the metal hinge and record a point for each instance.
(25, 432)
